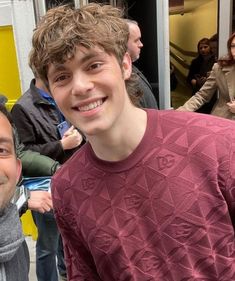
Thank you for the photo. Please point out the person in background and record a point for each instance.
(134, 46)
(173, 78)
(14, 256)
(33, 165)
(150, 196)
(201, 66)
(40, 125)
(200, 69)
(214, 45)
(221, 78)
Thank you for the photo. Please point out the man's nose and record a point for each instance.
(81, 84)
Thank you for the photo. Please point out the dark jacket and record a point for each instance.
(36, 120)
(200, 67)
(147, 99)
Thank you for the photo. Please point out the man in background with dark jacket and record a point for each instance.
(134, 46)
(41, 128)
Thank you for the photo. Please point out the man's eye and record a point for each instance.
(4, 151)
(61, 77)
(95, 66)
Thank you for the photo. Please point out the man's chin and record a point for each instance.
(135, 59)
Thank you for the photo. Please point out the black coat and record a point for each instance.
(36, 120)
(147, 99)
(200, 67)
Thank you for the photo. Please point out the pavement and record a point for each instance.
(32, 252)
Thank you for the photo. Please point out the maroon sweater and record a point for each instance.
(164, 213)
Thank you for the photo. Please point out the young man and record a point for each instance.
(134, 46)
(151, 195)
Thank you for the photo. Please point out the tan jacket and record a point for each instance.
(221, 79)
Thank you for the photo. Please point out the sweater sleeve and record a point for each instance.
(34, 164)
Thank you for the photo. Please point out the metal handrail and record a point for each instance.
(180, 60)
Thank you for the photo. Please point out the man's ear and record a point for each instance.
(127, 66)
(18, 169)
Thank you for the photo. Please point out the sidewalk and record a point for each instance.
(32, 252)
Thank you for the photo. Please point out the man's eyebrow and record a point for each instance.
(6, 140)
(91, 55)
(84, 58)
(57, 67)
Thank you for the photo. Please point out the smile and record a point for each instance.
(91, 105)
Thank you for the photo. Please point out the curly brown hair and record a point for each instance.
(63, 28)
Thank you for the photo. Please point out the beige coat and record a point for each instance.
(221, 79)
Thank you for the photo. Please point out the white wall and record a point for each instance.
(5, 14)
(23, 25)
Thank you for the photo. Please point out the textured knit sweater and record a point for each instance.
(164, 213)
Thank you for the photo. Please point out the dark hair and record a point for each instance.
(205, 41)
(228, 59)
(214, 38)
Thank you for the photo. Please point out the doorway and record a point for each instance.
(198, 19)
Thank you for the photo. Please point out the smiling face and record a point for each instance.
(134, 43)
(10, 166)
(90, 89)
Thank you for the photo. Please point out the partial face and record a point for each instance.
(233, 48)
(204, 49)
(214, 47)
(134, 43)
(10, 167)
(90, 89)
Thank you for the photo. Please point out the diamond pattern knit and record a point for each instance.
(164, 213)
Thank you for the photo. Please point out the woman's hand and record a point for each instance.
(231, 106)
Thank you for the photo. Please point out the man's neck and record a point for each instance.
(118, 143)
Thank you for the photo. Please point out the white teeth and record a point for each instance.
(90, 106)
